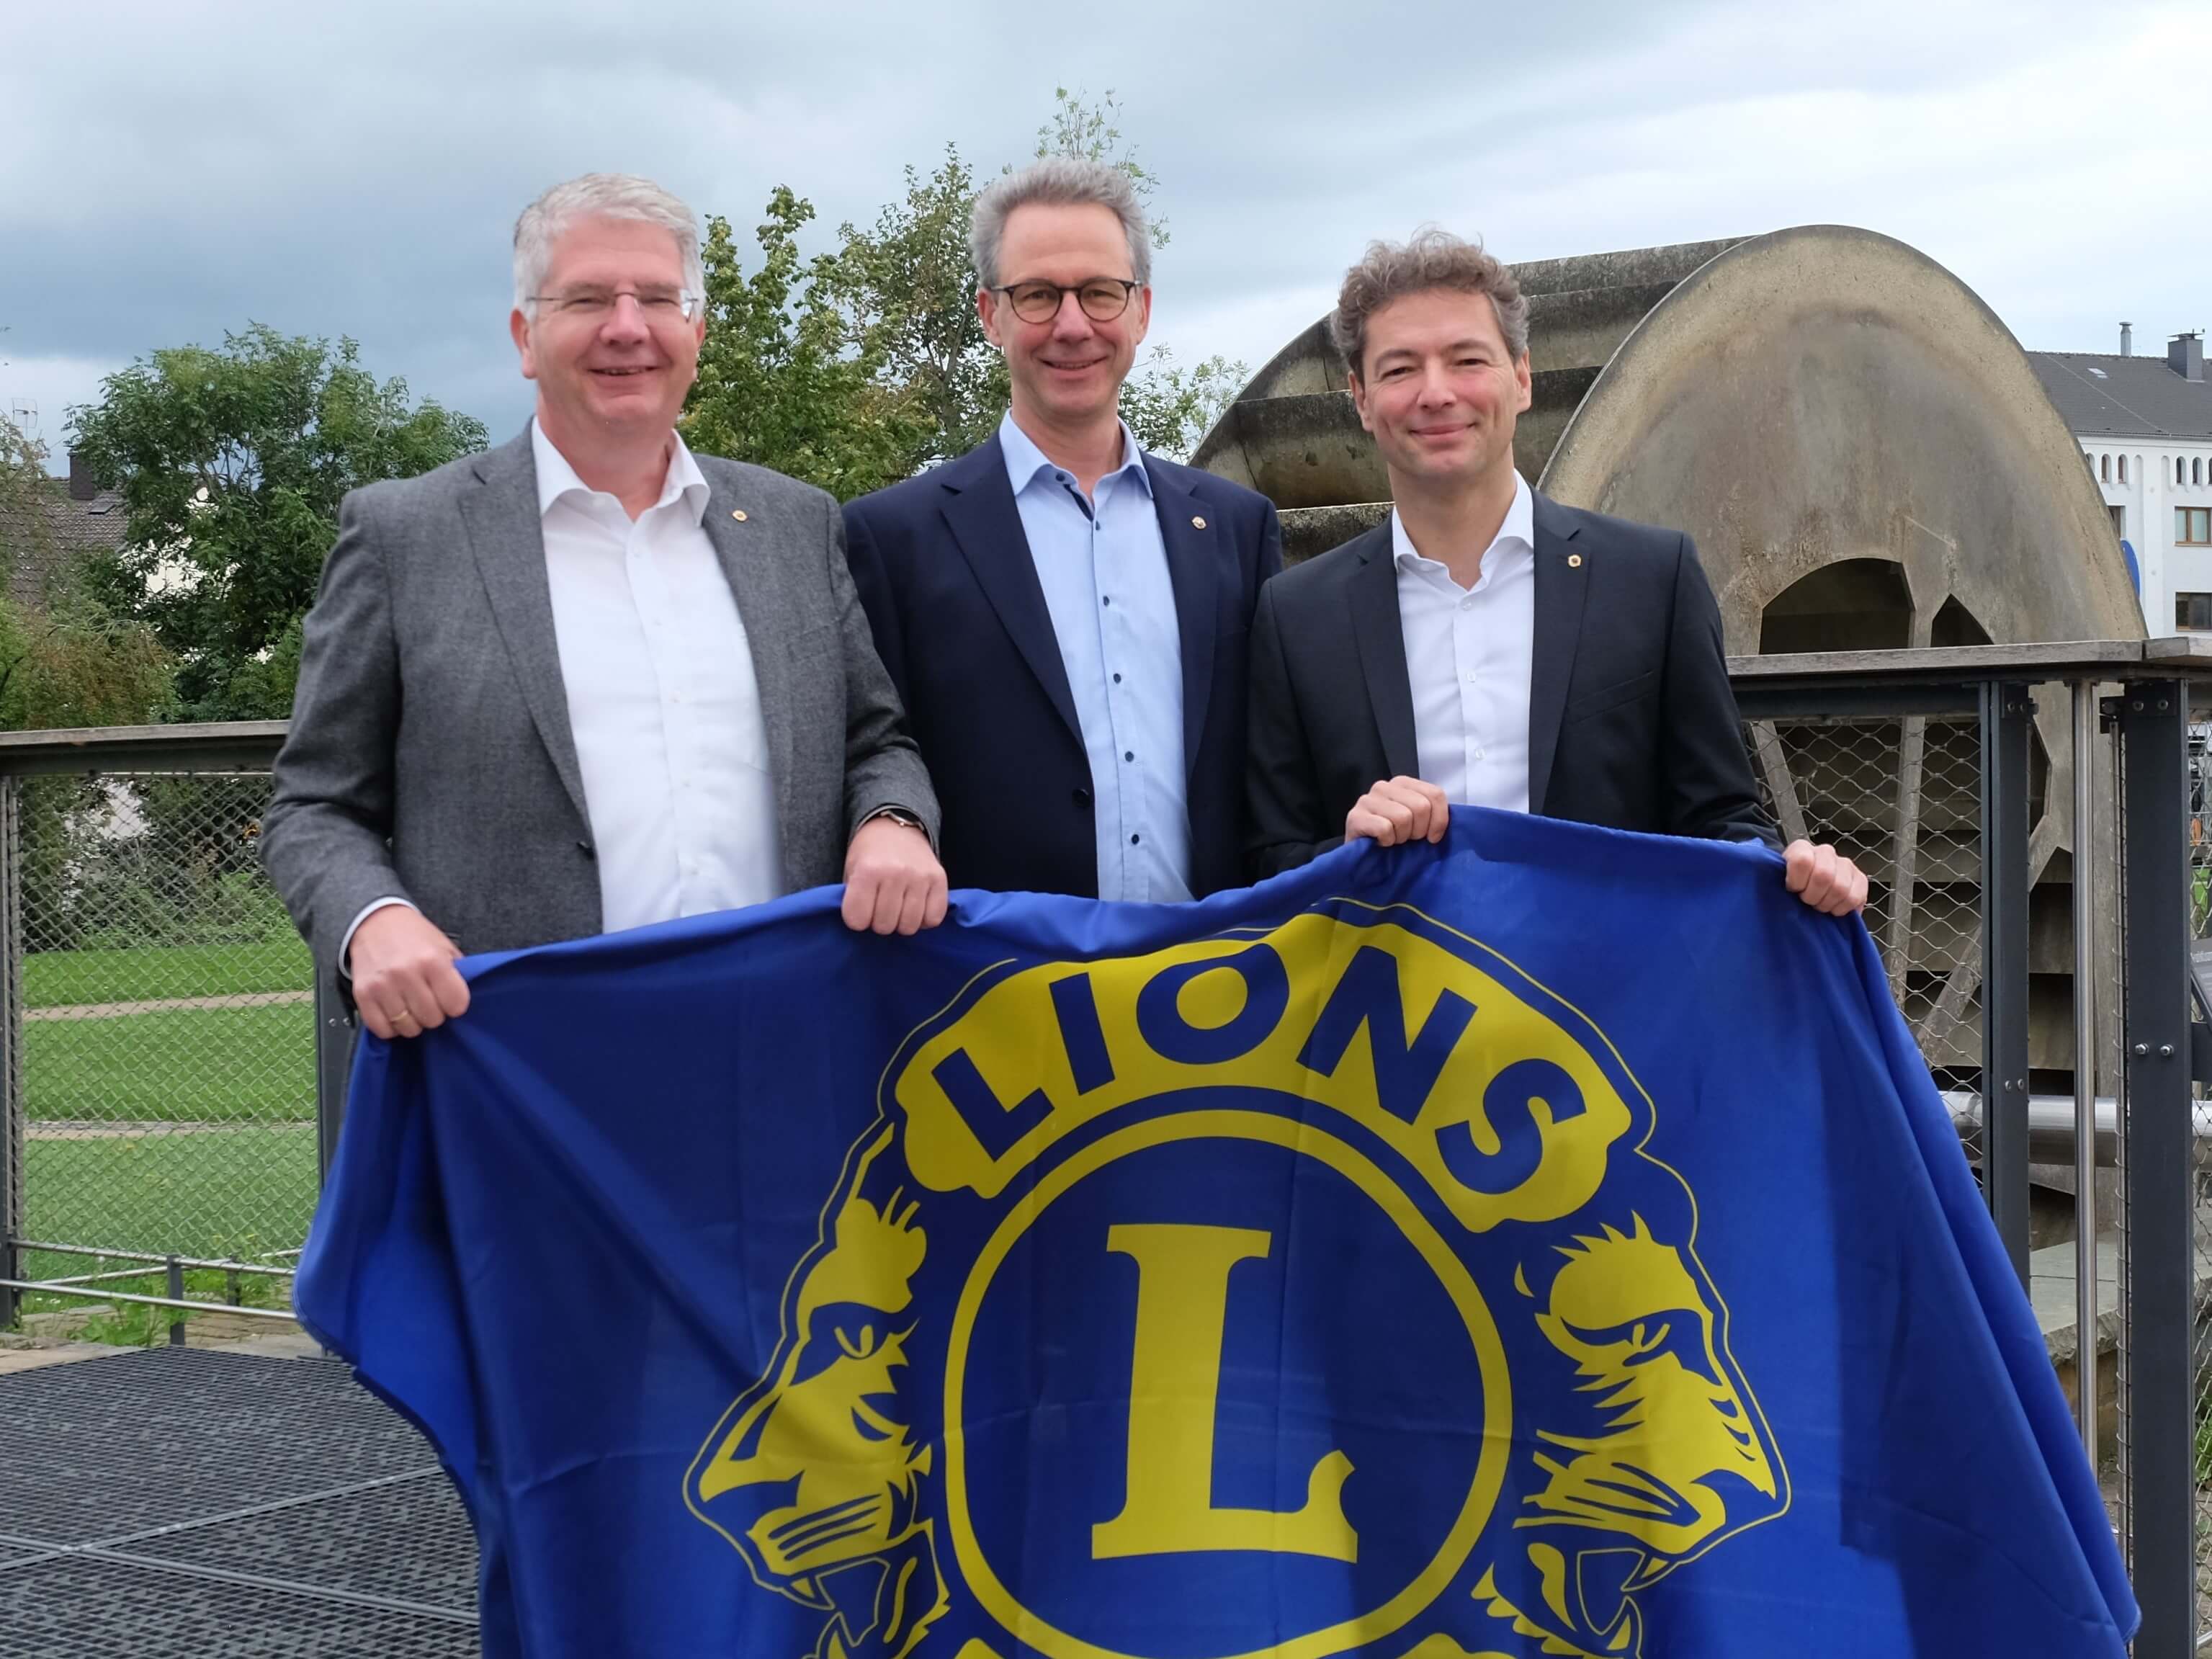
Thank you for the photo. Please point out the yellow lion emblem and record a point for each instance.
(822, 1456)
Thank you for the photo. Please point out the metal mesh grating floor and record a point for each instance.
(189, 1502)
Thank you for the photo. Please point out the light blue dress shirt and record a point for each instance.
(1104, 568)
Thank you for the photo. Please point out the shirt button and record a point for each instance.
(1128, 754)
(1082, 796)
(1133, 840)
(1117, 679)
(1108, 600)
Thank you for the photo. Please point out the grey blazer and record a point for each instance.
(430, 756)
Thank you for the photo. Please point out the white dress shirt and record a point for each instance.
(1469, 652)
(662, 700)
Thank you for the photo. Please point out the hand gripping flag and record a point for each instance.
(1546, 1244)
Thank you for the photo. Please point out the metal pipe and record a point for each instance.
(2051, 1127)
(148, 1301)
(159, 1257)
(99, 1278)
(2085, 1064)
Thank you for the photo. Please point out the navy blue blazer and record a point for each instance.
(943, 570)
(1631, 723)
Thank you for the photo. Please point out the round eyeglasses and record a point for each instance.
(1102, 298)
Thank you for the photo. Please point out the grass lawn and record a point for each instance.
(208, 1065)
(59, 978)
(215, 1194)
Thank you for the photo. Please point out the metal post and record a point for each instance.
(12, 1107)
(176, 1294)
(2158, 1170)
(2085, 1066)
(2004, 964)
(334, 1034)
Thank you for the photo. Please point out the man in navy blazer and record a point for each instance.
(1065, 616)
(1487, 644)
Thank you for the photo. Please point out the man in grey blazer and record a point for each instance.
(588, 680)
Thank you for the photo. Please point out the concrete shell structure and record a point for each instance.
(1865, 459)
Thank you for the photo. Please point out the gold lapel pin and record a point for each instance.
(738, 513)
(1197, 523)
(1574, 560)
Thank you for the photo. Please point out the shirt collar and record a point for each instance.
(1025, 461)
(556, 479)
(1519, 527)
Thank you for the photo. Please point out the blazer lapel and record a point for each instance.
(1188, 536)
(508, 537)
(750, 571)
(979, 508)
(1382, 641)
(1562, 583)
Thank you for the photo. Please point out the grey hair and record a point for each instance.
(598, 196)
(1058, 181)
(1433, 260)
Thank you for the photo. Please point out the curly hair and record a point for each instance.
(1433, 258)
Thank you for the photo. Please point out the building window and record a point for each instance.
(2105, 468)
(2192, 526)
(2192, 611)
(2195, 471)
(2119, 521)
(2123, 469)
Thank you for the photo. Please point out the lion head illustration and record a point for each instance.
(818, 1481)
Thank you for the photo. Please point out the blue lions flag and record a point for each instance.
(1549, 1244)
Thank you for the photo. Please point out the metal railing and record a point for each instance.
(2027, 813)
(2031, 816)
(160, 1083)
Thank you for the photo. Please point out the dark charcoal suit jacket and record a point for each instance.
(1631, 721)
(945, 571)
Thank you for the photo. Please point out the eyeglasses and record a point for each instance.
(1103, 299)
(589, 304)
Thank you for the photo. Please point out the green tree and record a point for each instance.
(24, 534)
(66, 663)
(784, 380)
(906, 286)
(232, 464)
(71, 664)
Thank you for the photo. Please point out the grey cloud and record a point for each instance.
(168, 171)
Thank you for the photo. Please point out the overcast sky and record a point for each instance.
(173, 168)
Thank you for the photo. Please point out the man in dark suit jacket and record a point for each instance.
(1487, 644)
(1064, 615)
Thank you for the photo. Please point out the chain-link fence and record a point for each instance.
(167, 1069)
(1901, 794)
(158, 1056)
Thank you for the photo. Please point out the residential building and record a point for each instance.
(68, 522)
(2145, 428)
